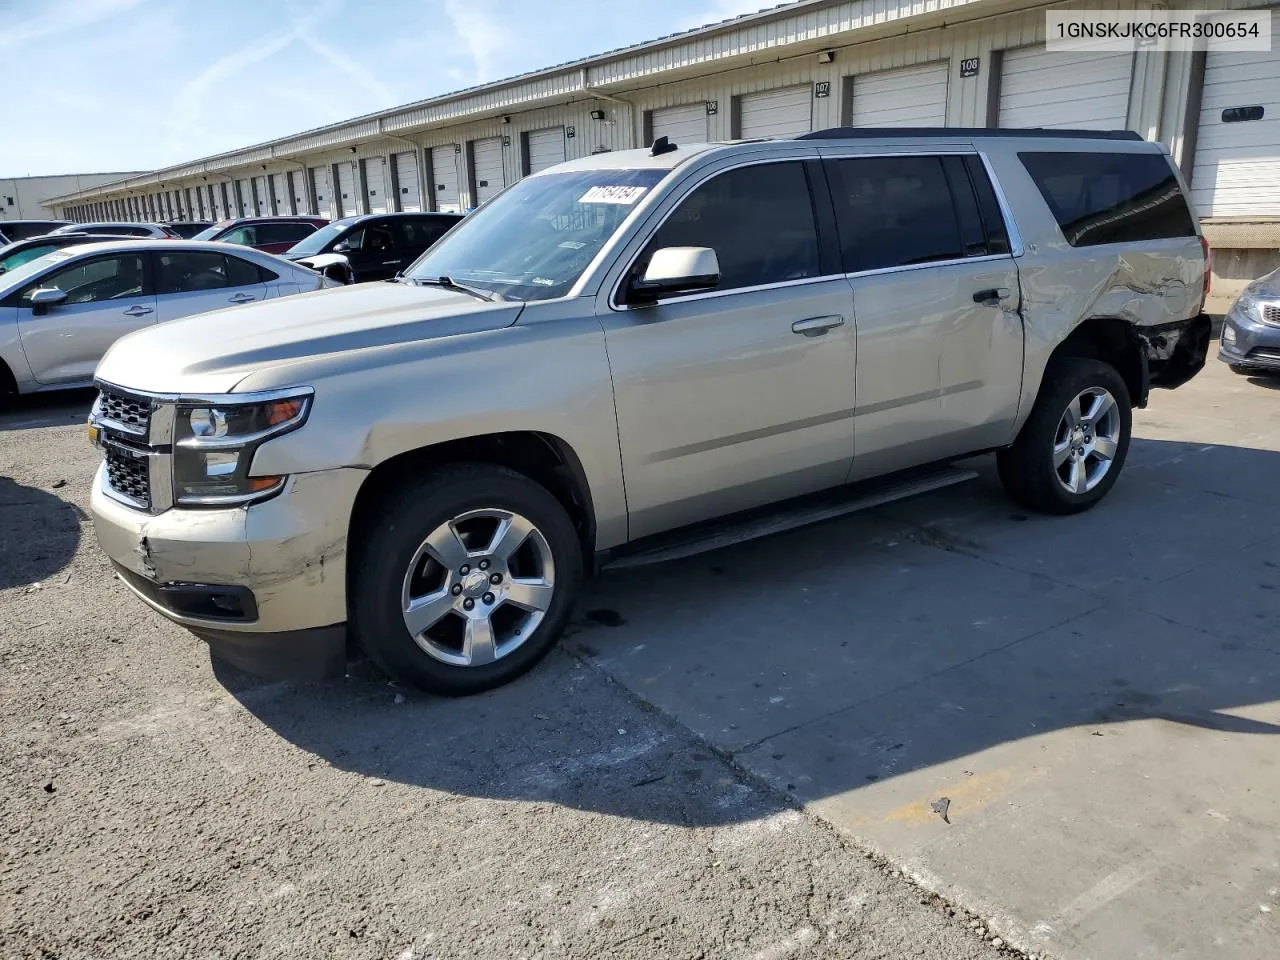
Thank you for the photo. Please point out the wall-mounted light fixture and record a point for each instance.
(597, 114)
(506, 119)
(826, 56)
(352, 149)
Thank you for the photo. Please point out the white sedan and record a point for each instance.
(60, 312)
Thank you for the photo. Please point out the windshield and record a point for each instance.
(208, 233)
(10, 261)
(533, 241)
(17, 276)
(316, 242)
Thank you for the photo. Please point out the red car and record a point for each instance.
(269, 234)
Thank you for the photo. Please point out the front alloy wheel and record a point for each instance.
(478, 586)
(463, 578)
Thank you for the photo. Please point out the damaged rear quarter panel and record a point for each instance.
(1147, 284)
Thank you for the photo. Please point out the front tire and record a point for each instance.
(465, 579)
(1073, 446)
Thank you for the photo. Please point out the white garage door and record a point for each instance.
(444, 177)
(406, 167)
(1082, 90)
(546, 148)
(776, 113)
(487, 161)
(280, 183)
(246, 198)
(910, 97)
(684, 124)
(298, 191)
(1237, 164)
(324, 195)
(347, 200)
(261, 197)
(375, 183)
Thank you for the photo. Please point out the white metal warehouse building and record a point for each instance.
(786, 70)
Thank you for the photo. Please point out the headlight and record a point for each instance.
(1228, 334)
(214, 444)
(1245, 307)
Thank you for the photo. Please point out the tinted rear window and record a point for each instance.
(1111, 197)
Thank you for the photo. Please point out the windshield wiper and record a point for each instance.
(450, 284)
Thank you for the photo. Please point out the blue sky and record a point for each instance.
(109, 85)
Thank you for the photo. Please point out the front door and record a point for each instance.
(199, 281)
(935, 293)
(742, 395)
(107, 297)
(373, 254)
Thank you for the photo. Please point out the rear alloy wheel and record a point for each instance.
(465, 579)
(1073, 445)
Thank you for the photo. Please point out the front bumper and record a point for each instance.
(1248, 342)
(282, 562)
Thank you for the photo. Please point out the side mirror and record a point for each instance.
(673, 270)
(44, 298)
(341, 247)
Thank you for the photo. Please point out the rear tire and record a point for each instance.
(1072, 448)
(482, 561)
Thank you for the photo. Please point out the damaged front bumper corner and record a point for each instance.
(264, 585)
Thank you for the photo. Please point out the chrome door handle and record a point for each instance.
(816, 326)
(992, 297)
(138, 311)
(242, 298)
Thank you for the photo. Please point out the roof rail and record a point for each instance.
(881, 133)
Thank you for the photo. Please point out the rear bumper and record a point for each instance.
(1176, 352)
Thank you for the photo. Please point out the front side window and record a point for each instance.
(1111, 197)
(245, 236)
(894, 212)
(534, 240)
(95, 281)
(314, 243)
(758, 219)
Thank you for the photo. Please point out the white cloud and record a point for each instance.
(487, 41)
(61, 18)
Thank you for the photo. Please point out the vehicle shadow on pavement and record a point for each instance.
(52, 409)
(41, 534)
(844, 655)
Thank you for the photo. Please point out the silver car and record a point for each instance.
(60, 312)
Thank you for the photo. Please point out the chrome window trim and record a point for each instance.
(1010, 225)
(1015, 238)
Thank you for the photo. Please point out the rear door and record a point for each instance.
(935, 293)
(198, 281)
(414, 235)
(107, 297)
(279, 237)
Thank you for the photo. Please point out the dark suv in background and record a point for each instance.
(376, 245)
(268, 234)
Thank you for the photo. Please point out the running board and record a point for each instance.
(791, 516)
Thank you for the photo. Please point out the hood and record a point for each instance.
(212, 352)
(1266, 287)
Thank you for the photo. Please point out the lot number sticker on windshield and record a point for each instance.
(623, 195)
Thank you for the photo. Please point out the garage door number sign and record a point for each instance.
(969, 66)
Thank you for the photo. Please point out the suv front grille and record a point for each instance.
(129, 474)
(1271, 314)
(133, 414)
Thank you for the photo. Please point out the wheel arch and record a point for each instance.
(1113, 341)
(542, 457)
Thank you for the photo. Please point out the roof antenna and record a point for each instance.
(660, 146)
